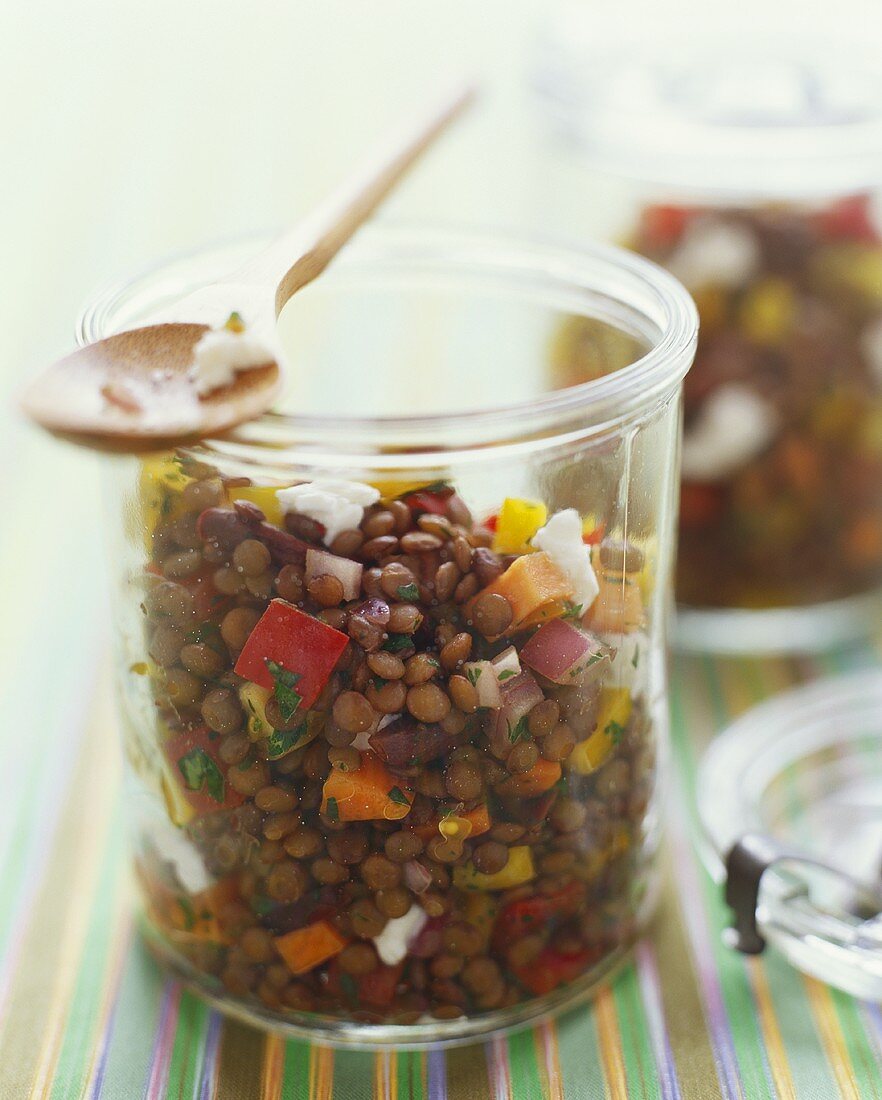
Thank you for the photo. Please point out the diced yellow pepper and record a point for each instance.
(619, 844)
(517, 522)
(480, 912)
(612, 718)
(254, 698)
(390, 489)
(264, 496)
(870, 432)
(711, 303)
(160, 485)
(516, 872)
(768, 311)
(179, 809)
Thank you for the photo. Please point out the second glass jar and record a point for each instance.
(753, 179)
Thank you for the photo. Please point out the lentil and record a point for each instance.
(427, 703)
(491, 614)
(294, 856)
(252, 558)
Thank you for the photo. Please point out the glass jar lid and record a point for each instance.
(790, 801)
(741, 115)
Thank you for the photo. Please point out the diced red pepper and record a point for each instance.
(200, 772)
(208, 601)
(378, 987)
(553, 968)
(700, 503)
(432, 500)
(594, 537)
(849, 219)
(296, 641)
(663, 225)
(491, 523)
(529, 915)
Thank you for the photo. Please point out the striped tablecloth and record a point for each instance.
(84, 1011)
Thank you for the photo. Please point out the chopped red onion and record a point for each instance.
(416, 877)
(519, 696)
(506, 665)
(565, 654)
(483, 675)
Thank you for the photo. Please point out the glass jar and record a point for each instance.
(393, 740)
(751, 174)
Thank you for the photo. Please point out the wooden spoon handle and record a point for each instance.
(296, 258)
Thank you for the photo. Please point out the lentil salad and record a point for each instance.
(406, 757)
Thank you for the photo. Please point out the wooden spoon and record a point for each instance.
(134, 391)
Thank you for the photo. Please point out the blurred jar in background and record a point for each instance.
(751, 175)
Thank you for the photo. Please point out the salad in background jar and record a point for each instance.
(751, 176)
(392, 687)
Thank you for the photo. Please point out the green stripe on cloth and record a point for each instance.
(295, 1081)
(639, 1061)
(189, 1046)
(580, 1064)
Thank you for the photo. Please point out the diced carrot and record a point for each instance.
(306, 948)
(190, 917)
(618, 608)
(542, 776)
(479, 818)
(536, 588)
(371, 793)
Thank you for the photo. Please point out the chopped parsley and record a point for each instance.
(398, 795)
(187, 910)
(396, 642)
(198, 770)
(573, 611)
(432, 487)
(333, 810)
(636, 656)
(506, 674)
(261, 905)
(378, 683)
(347, 984)
(281, 742)
(473, 674)
(408, 592)
(208, 633)
(615, 731)
(286, 696)
(520, 731)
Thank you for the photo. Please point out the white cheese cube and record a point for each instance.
(336, 504)
(394, 941)
(561, 539)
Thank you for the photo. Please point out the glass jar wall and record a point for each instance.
(392, 686)
(753, 178)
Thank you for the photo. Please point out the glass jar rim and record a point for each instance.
(635, 286)
(697, 116)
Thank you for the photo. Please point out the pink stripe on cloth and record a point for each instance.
(650, 990)
(163, 1043)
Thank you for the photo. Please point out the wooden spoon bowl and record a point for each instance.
(133, 392)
